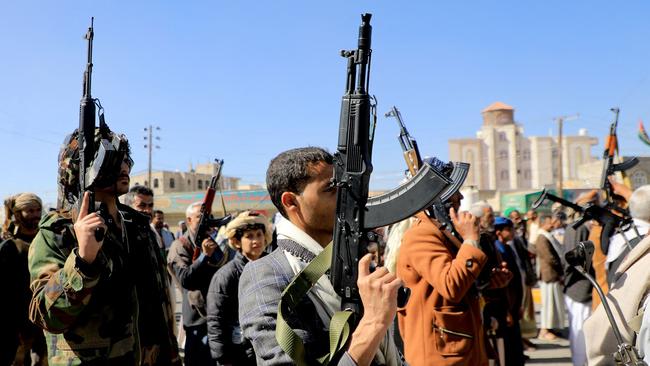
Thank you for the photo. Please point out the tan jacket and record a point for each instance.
(624, 298)
(441, 323)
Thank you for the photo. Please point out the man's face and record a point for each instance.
(515, 217)
(487, 220)
(30, 216)
(532, 215)
(505, 234)
(158, 220)
(317, 202)
(122, 184)
(193, 219)
(143, 203)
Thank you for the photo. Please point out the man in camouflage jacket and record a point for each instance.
(100, 302)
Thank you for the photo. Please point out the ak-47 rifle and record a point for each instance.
(440, 208)
(409, 145)
(99, 164)
(609, 167)
(603, 215)
(206, 220)
(356, 214)
(86, 136)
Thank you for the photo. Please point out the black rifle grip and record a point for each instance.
(403, 295)
(99, 234)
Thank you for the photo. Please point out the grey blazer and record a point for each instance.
(260, 287)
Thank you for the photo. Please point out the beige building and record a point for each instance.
(502, 158)
(589, 175)
(196, 179)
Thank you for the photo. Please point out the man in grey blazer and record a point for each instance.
(299, 182)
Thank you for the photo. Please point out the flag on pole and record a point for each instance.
(642, 134)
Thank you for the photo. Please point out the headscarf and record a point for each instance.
(13, 205)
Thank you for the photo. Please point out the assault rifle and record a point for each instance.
(100, 162)
(612, 218)
(409, 145)
(86, 136)
(603, 215)
(206, 220)
(609, 167)
(440, 208)
(356, 214)
(580, 258)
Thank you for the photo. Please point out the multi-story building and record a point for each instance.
(502, 158)
(196, 179)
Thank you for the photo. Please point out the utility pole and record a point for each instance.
(149, 137)
(560, 121)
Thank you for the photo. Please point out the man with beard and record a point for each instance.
(300, 186)
(100, 297)
(20, 340)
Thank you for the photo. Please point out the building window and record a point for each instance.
(504, 175)
(526, 154)
(207, 184)
(200, 184)
(639, 178)
(155, 183)
(503, 155)
(526, 174)
(172, 183)
(554, 154)
(502, 136)
(189, 184)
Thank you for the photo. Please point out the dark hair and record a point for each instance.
(134, 191)
(503, 226)
(289, 172)
(239, 233)
(157, 212)
(143, 190)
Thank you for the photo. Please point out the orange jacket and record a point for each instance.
(441, 323)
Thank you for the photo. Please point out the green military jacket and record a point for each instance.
(115, 311)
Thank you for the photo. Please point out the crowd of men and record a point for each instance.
(84, 298)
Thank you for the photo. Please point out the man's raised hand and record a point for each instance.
(85, 228)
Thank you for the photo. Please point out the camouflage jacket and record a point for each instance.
(115, 311)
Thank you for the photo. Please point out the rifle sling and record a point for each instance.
(339, 329)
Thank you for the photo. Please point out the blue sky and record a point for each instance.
(243, 81)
